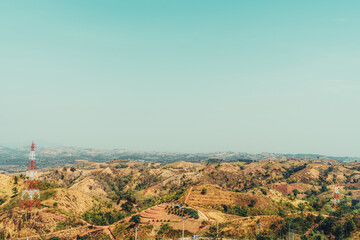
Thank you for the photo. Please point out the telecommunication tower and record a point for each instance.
(30, 196)
(336, 197)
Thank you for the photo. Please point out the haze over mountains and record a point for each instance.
(14, 159)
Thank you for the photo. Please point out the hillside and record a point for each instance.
(98, 200)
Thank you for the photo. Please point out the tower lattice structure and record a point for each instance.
(30, 196)
(336, 197)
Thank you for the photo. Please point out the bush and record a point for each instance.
(282, 213)
(203, 191)
(252, 203)
(324, 188)
(296, 192)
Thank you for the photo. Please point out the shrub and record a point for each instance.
(296, 192)
(252, 203)
(282, 213)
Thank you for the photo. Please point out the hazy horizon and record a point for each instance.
(182, 76)
(44, 144)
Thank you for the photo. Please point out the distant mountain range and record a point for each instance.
(15, 159)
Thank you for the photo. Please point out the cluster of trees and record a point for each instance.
(121, 166)
(235, 210)
(326, 227)
(183, 212)
(191, 213)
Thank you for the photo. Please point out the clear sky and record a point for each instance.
(182, 75)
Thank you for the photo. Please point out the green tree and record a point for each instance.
(165, 228)
(319, 218)
(252, 203)
(282, 213)
(301, 206)
(327, 225)
(324, 188)
(127, 207)
(263, 191)
(339, 232)
(314, 236)
(349, 226)
(135, 219)
(15, 191)
(296, 192)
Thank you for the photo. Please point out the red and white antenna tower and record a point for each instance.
(336, 197)
(30, 196)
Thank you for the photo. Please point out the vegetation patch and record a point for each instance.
(235, 210)
(97, 216)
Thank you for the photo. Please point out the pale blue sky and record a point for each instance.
(178, 75)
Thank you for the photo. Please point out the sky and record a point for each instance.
(181, 75)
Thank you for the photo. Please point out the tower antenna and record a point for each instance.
(336, 197)
(30, 196)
